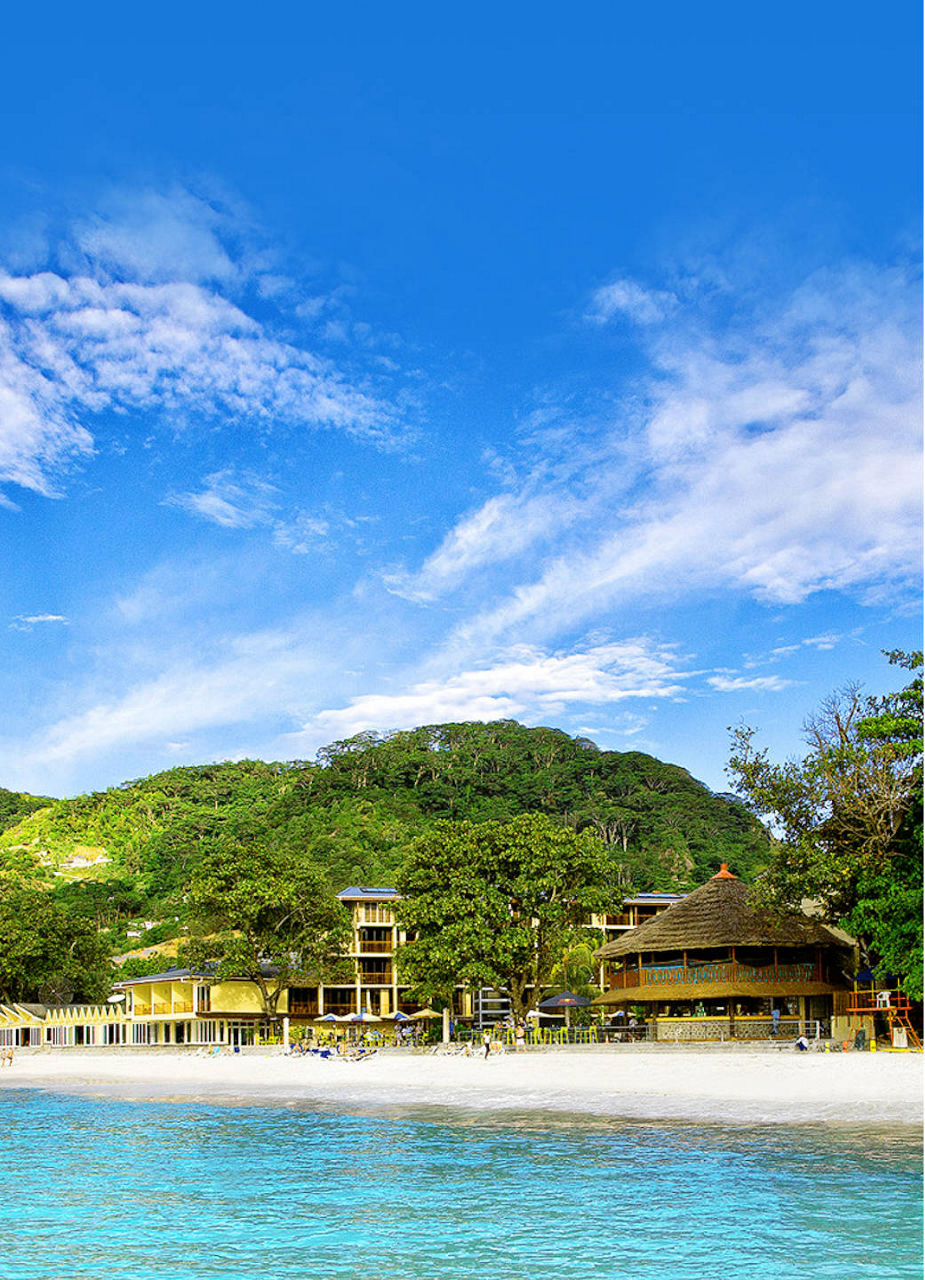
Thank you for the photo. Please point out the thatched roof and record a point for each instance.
(718, 914)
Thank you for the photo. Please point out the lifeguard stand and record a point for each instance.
(870, 998)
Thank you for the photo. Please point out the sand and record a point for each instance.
(636, 1082)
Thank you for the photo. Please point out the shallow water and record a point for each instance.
(114, 1190)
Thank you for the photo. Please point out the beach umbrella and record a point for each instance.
(565, 1000)
(423, 1014)
(398, 1016)
(362, 1016)
(327, 1017)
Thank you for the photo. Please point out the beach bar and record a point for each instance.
(714, 967)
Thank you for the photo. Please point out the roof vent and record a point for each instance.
(724, 873)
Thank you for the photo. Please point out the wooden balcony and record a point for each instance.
(376, 977)
(303, 1008)
(728, 973)
(382, 947)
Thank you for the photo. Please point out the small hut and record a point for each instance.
(713, 966)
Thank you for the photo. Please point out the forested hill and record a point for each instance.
(127, 852)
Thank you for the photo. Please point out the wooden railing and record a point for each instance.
(303, 1008)
(375, 915)
(376, 977)
(679, 976)
(381, 947)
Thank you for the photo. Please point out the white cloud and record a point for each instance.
(778, 457)
(230, 501)
(142, 318)
(522, 680)
(738, 684)
(26, 621)
(626, 297)
(499, 530)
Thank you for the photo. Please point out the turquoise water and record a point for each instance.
(113, 1190)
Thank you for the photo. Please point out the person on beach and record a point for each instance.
(775, 1021)
(486, 1042)
(520, 1037)
(802, 1043)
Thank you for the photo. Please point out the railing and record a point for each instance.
(375, 915)
(376, 977)
(784, 1030)
(678, 975)
(303, 1008)
(383, 947)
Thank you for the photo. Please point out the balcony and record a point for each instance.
(727, 973)
(376, 946)
(376, 977)
(375, 915)
(304, 1008)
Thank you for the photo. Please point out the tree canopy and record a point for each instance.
(266, 916)
(48, 953)
(496, 904)
(849, 816)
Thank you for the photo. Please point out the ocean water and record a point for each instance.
(149, 1191)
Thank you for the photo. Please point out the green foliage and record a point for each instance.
(266, 916)
(16, 805)
(48, 953)
(497, 904)
(355, 814)
(849, 814)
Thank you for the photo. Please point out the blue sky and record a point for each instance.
(367, 368)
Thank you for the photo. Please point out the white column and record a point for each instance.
(446, 1026)
(286, 1034)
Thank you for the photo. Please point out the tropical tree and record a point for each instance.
(849, 818)
(47, 953)
(264, 915)
(496, 904)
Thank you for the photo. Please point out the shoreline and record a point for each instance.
(648, 1084)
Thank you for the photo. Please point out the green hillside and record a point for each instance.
(122, 857)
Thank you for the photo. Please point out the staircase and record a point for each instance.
(894, 1006)
(490, 1006)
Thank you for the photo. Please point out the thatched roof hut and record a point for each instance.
(709, 926)
(718, 914)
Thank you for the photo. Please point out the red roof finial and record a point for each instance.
(724, 873)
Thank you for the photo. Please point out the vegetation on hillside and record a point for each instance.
(129, 859)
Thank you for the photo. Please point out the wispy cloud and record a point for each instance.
(26, 621)
(524, 680)
(740, 684)
(230, 501)
(777, 455)
(141, 311)
(630, 299)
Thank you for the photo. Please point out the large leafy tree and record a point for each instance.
(496, 904)
(265, 915)
(48, 953)
(849, 817)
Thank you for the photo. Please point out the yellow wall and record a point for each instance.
(239, 997)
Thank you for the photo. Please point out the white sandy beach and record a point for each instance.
(639, 1083)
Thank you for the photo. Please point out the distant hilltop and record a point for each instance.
(126, 852)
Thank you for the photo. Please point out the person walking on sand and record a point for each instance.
(486, 1042)
(520, 1037)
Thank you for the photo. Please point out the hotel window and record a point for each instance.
(203, 999)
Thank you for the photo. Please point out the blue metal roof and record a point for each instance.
(362, 892)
